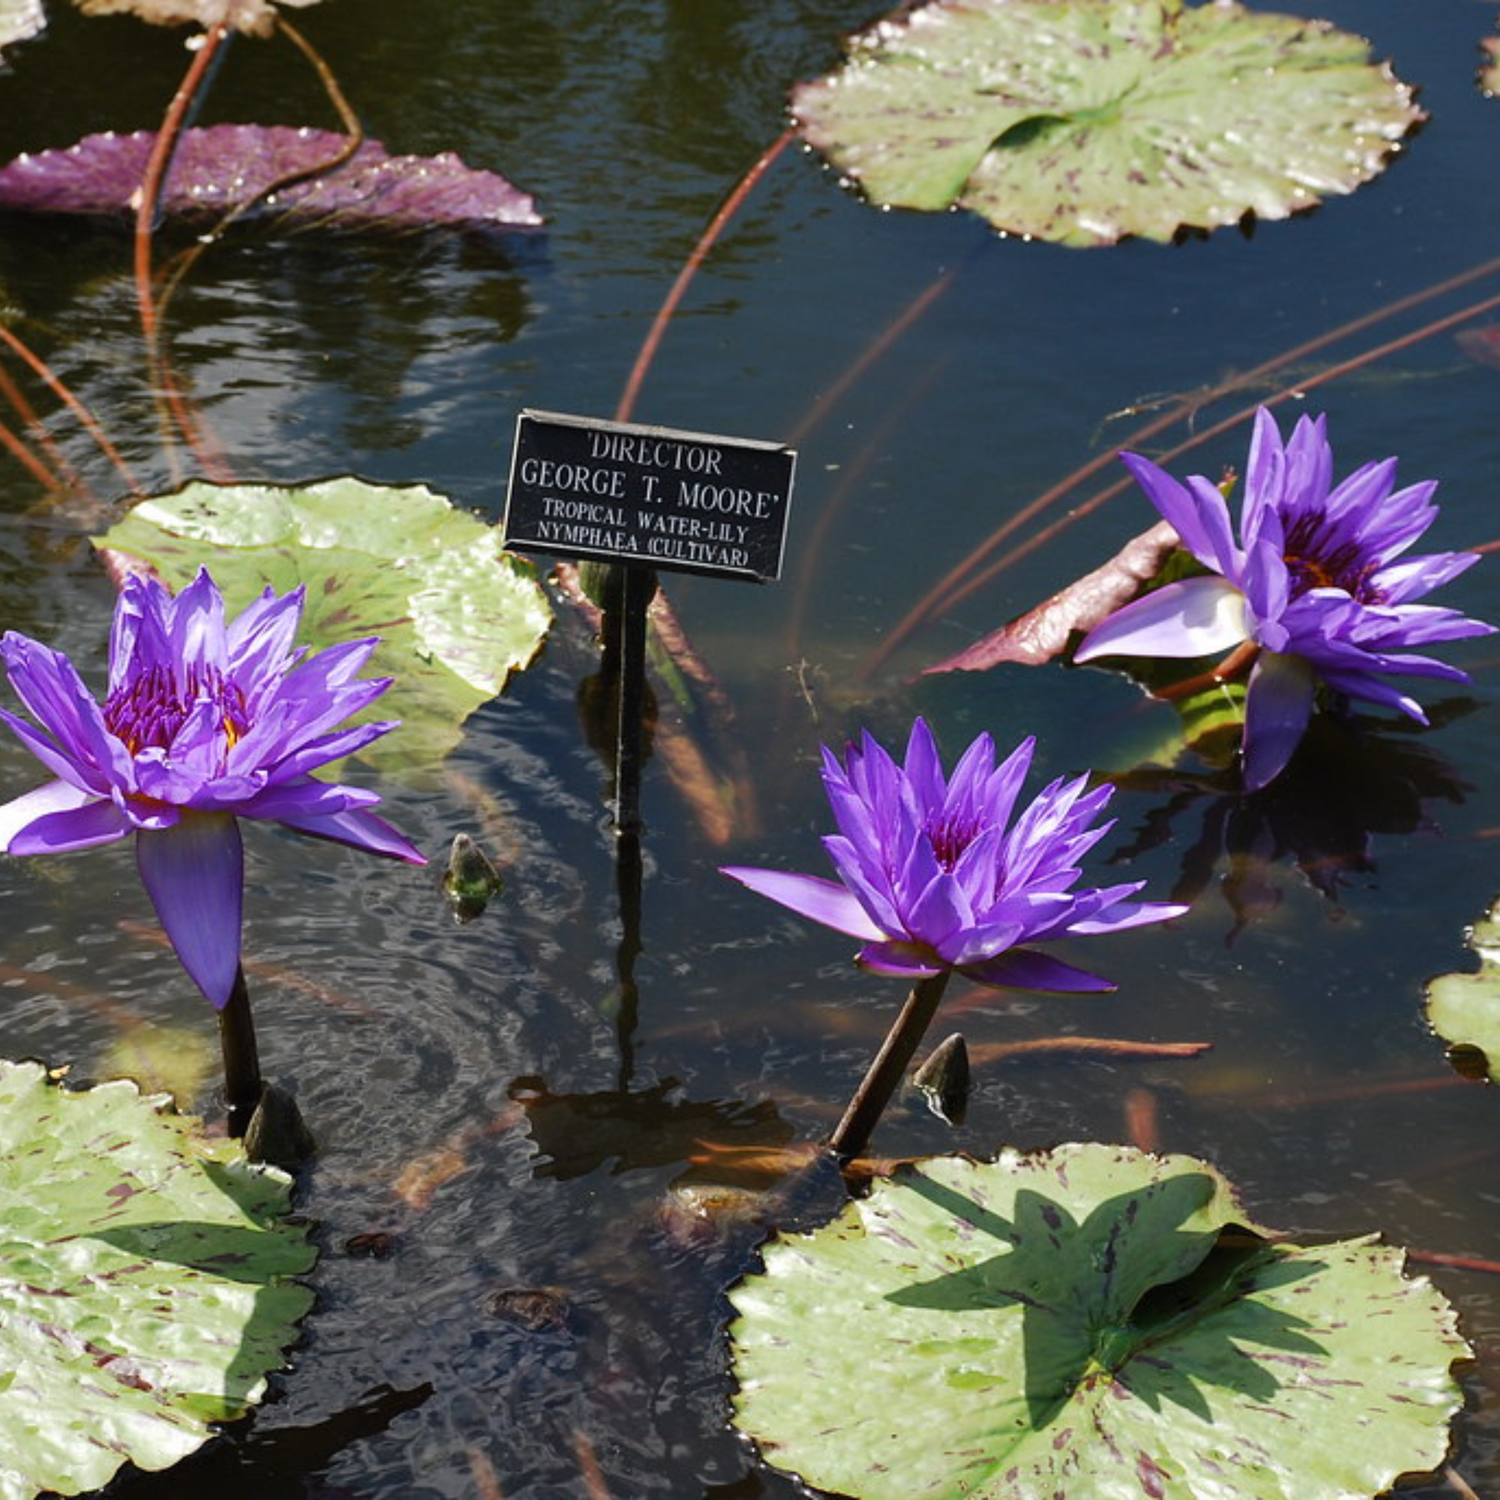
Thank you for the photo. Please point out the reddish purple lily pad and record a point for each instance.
(255, 17)
(1042, 633)
(220, 167)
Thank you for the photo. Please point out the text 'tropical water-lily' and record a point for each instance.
(1318, 586)
(936, 875)
(204, 722)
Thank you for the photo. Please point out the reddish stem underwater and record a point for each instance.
(24, 455)
(706, 241)
(54, 382)
(164, 389)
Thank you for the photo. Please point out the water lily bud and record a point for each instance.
(601, 583)
(277, 1133)
(944, 1080)
(470, 879)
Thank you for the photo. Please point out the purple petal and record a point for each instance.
(260, 638)
(1417, 624)
(1195, 617)
(1023, 969)
(288, 725)
(80, 773)
(131, 608)
(1200, 519)
(867, 879)
(197, 631)
(810, 896)
(55, 695)
(1126, 914)
(304, 798)
(1309, 458)
(1265, 475)
(1267, 593)
(1278, 704)
(1407, 580)
(940, 912)
(195, 876)
(965, 792)
(1373, 690)
(358, 828)
(924, 766)
(987, 938)
(332, 747)
(58, 817)
(900, 960)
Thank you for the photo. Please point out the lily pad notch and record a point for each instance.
(1083, 122)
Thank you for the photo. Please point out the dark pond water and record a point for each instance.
(484, 1093)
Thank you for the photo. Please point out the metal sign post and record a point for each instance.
(645, 498)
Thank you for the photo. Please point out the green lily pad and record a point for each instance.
(455, 612)
(144, 1282)
(1083, 121)
(1464, 1008)
(1086, 1321)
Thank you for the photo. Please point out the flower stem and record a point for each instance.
(888, 1069)
(242, 1080)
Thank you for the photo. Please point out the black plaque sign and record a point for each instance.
(621, 492)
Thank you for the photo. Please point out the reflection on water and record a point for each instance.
(1350, 779)
(511, 1109)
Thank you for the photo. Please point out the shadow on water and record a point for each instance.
(1096, 1296)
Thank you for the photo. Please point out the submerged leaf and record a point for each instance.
(1086, 1321)
(455, 612)
(254, 17)
(19, 19)
(1083, 121)
(1464, 1008)
(218, 168)
(1481, 344)
(144, 1282)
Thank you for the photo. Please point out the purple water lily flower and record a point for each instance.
(1318, 584)
(937, 875)
(204, 722)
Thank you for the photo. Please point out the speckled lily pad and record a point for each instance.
(145, 1286)
(1091, 1321)
(1083, 121)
